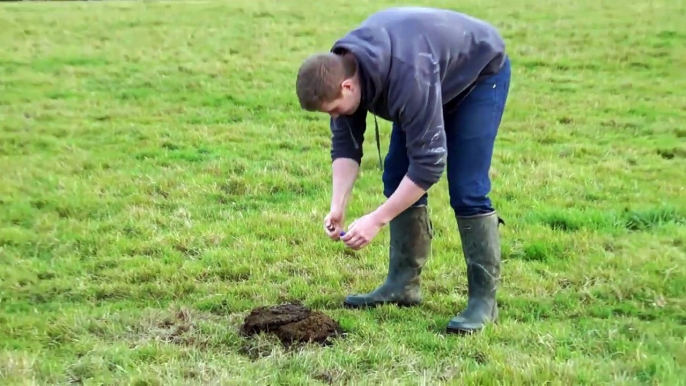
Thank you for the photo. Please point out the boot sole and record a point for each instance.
(468, 331)
(461, 331)
(377, 304)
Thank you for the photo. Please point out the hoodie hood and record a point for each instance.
(372, 49)
(413, 62)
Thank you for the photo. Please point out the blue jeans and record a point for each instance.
(471, 128)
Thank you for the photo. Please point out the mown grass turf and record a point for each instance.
(159, 181)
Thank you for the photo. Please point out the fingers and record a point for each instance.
(347, 236)
(332, 230)
(354, 240)
(351, 231)
(332, 233)
(357, 243)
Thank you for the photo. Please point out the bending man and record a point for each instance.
(442, 78)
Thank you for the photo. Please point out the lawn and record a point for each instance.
(159, 181)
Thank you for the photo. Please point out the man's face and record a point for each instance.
(346, 104)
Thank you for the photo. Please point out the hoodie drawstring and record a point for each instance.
(378, 144)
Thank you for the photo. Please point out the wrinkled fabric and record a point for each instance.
(413, 62)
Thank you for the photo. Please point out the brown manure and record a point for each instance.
(292, 323)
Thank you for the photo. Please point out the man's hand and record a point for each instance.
(362, 231)
(344, 175)
(333, 223)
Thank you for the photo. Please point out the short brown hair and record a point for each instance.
(320, 76)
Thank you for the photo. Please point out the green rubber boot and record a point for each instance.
(411, 234)
(481, 246)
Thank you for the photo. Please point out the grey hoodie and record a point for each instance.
(413, 62)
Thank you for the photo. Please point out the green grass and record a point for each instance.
(159, 181)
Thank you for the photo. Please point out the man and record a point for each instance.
(442, 78)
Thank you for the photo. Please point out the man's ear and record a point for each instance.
(347, 85)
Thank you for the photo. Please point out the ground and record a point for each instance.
(159, 181)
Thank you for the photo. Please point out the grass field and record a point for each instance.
(159, 181)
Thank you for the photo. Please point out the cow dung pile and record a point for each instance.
(292, 323)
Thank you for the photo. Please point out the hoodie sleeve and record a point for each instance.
(347, 135)
(415, 99)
